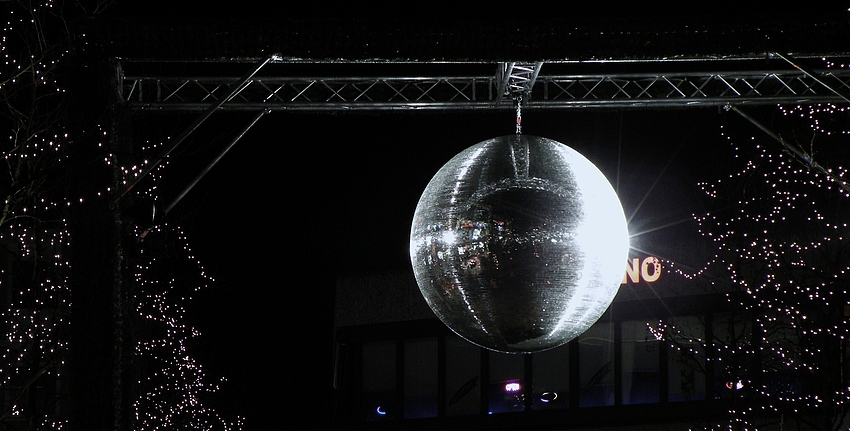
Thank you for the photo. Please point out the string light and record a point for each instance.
(779, 233)
(173, 387)
(36, 301)
(173, 393)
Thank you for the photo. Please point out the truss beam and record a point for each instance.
(471, 92)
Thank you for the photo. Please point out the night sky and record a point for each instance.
(303, 199)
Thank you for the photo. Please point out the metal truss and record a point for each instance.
(791, 85)
(511, 82)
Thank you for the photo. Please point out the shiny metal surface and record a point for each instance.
(663, 83)
(518, 244)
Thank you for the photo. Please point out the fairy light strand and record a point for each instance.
(174, 388)
(780, 244)
(174, 393)
(36, 301)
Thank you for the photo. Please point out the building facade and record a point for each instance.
(399, 367)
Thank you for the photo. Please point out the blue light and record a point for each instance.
(548, 397)
(380, 412)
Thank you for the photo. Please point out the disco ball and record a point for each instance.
(519, 244)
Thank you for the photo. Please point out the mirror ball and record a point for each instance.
(519, 244)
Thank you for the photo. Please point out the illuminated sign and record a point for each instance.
(648, 270)
(512, 387)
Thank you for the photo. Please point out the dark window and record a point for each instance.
(379, 380)
(686, 359)
(506, 391)
(420, 378)
(640, 364)
(551, 379)
(596, 365)
(463, 377)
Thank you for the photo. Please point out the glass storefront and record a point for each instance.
(626, 362)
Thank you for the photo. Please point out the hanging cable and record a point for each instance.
(518, 101)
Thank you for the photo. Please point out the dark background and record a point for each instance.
(304, 198)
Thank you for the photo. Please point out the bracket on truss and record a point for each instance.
(516, 78)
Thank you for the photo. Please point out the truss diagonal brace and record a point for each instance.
(198, 121)
(215, 161)
(812, 75)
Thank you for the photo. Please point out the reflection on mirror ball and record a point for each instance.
(518, 244)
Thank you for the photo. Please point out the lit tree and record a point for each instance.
(778, 353)
(156, 382)
(33, 231)
(172, 385)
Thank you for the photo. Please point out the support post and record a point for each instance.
(214, 162)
